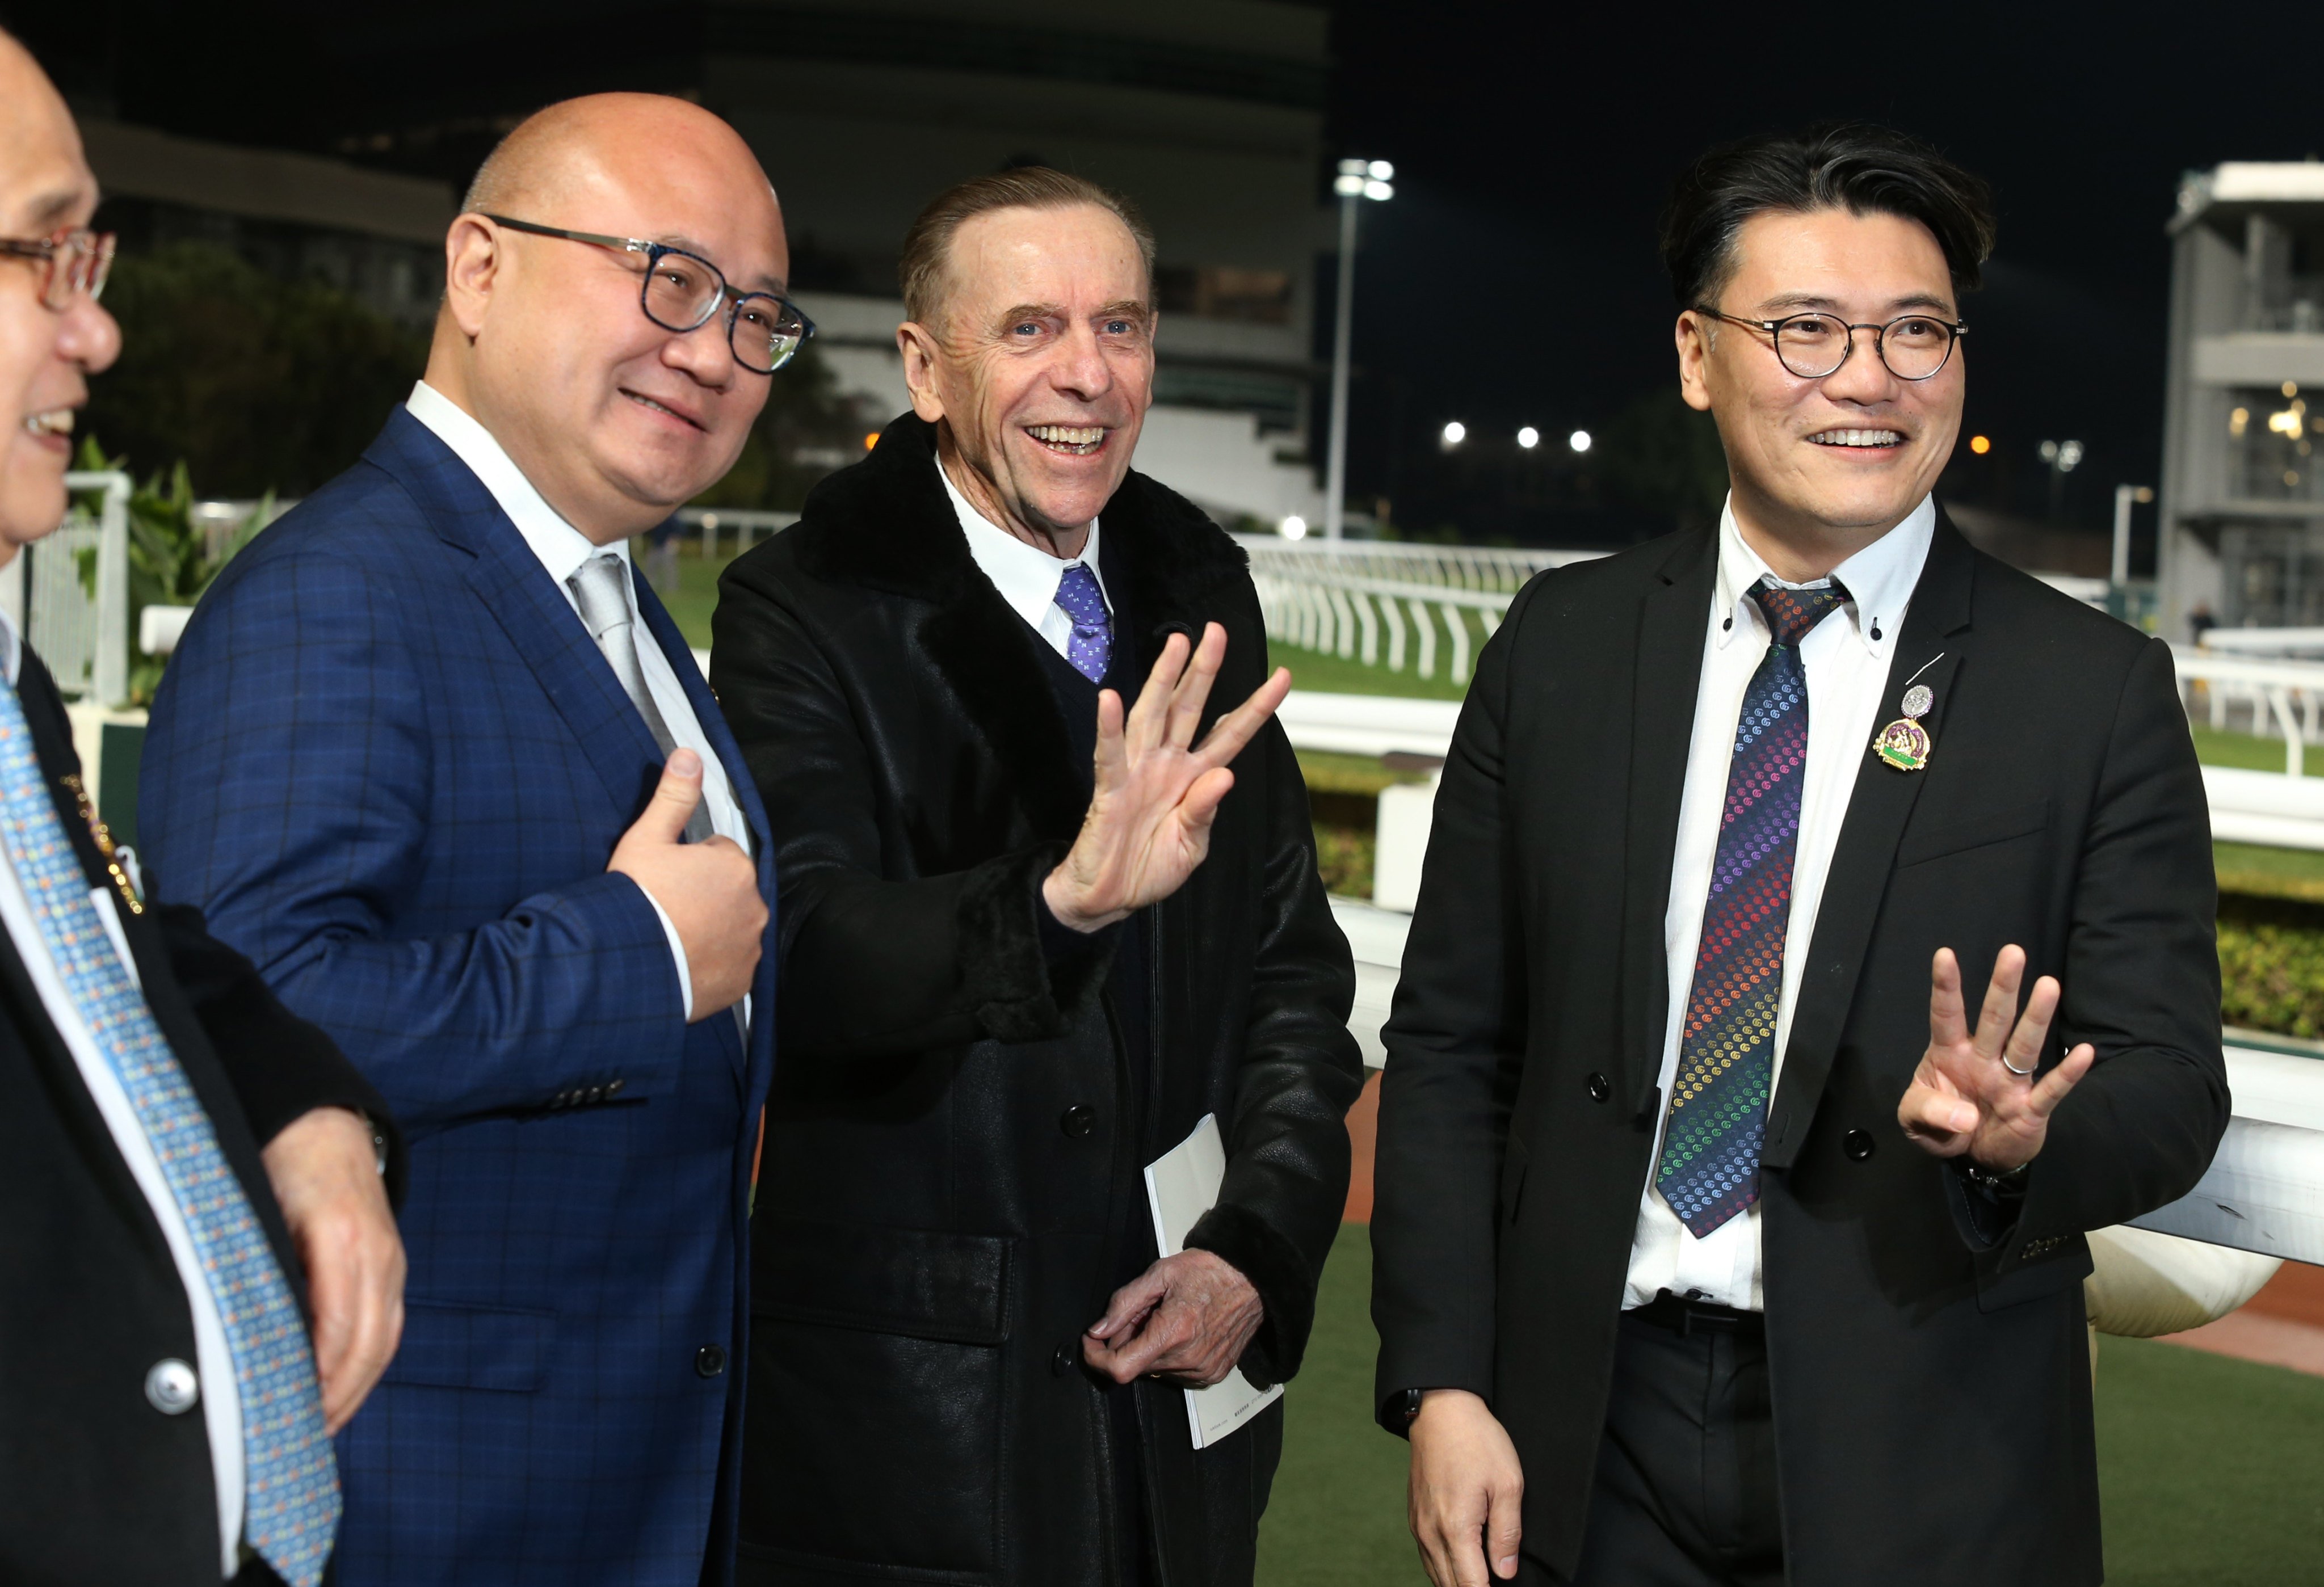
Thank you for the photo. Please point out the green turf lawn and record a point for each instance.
(696, 595)
(2211, 1471)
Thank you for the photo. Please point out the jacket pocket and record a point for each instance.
(1974, 833)
(445, 1345)
(876, 1371)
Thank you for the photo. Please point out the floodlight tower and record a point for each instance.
(1358, 180)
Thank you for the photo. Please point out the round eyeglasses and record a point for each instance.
(1912, 347)
(70, 263)
(682, 291)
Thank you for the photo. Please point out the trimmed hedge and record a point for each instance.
(2272, 964)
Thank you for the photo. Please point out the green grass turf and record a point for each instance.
(696, 595)
(1336, 1518)
(2211, 1471)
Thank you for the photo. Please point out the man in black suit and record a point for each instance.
(1030, 942)
(194, 1179)
(1714, 1244)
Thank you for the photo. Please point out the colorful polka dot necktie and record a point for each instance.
(291, 1484)
(1709, 1169)
(1091, 647)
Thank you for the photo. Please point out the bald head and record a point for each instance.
(616, 420)
(554, 150)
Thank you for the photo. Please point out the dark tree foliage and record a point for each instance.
(254, 383)
(807, 429)
(1662, 455)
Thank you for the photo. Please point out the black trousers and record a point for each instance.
(1685, 1494)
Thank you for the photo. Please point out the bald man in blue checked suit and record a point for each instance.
(435, 756)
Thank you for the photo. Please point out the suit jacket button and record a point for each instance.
(1078, 1120)
(1857, 1144)
(710, 1360)
(1599, 1088)
(613, 1087)
(171, 1388)
(1062, 1359)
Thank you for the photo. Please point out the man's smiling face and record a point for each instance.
(46, 354)
(1042, 366)
(1838, 461)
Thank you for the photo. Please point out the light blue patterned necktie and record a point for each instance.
(290, 1509)
(1091, 647)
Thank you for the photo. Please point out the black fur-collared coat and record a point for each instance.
(947, 1182)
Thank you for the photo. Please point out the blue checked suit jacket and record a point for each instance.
(392, 765)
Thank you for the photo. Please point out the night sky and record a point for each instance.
(1513, 278)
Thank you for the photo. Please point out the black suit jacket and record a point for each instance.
(954, 1144)
(1931, 1390)
(100, 1486)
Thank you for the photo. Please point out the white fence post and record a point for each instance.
(109, 671)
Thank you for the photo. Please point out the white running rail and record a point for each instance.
(1390, 603)
(2264, 695)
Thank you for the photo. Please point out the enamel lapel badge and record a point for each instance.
(1904, 743)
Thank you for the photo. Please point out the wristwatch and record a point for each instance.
(2003, 1183)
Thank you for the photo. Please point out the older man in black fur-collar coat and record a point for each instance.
(1046, 904)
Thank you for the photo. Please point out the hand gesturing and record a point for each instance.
(1150, 821)
(1975, 1092)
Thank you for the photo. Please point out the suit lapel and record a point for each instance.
(1931, 651)
(1666, 676)
(540, 621)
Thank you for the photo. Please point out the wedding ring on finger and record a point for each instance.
(2014, 1069)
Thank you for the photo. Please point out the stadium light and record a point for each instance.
(1358, 180)
(1528, 438)
(1579, 441)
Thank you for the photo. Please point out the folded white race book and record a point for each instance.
(1180, 1185)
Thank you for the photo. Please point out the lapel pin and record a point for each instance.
(1904, 743)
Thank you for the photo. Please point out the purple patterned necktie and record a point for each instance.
(1092, 644)
(1709, 1169)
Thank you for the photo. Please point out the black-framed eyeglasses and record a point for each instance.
(1913, 347)
(682, 291)
(72, 262)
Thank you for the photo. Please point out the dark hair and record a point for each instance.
(1855, 166)
(927, 246)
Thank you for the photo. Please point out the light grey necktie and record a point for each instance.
(598, 589)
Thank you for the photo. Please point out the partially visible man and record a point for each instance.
(1031, 942)
(184, 1163)
(436, 757)
(1716, 1241)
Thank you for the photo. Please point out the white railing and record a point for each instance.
(2272, 698)
(83, 637)
(713, 523)
(1386, 603)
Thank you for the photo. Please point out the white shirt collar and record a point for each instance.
(561, 548)
(1026, 576)
(1879, 579)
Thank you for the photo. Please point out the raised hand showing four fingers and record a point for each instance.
(1156, 791)
(1976, 1091)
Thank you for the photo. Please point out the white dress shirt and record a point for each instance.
(1026, 576)
(1846, 658)
(562, 549)
(221, 1396)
